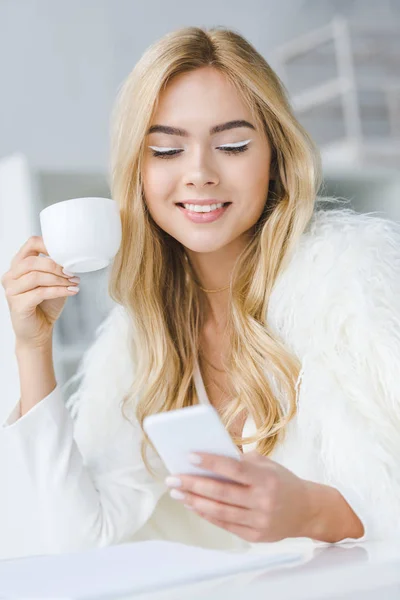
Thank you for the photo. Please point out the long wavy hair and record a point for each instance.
(151, 275)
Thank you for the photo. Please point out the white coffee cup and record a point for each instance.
(82, 234)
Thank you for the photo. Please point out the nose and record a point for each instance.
(199, 171)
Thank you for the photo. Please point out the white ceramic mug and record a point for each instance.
(82, 234)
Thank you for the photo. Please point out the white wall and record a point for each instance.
(56, 88)
(62, 62)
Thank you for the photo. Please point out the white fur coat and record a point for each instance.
(337, 306)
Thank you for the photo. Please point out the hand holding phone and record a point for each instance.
(177, 433)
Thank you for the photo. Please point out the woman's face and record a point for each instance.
(201, 169)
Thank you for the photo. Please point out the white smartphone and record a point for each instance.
(177, 433)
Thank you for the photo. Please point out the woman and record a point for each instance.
(282, 315)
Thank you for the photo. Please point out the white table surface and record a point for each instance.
(367, 571)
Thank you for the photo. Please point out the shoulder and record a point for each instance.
(356, 249)
(338, 242)
(347, 232)
(344, 260)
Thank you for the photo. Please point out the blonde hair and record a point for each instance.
(151, 275)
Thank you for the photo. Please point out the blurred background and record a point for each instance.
(61, 64)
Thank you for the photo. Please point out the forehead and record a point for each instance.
(198, 100)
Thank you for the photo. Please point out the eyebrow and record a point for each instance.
(216, 129)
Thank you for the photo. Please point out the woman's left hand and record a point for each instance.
(265, 502)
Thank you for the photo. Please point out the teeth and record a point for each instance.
(199, 208)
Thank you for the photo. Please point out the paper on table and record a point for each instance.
(133, 567)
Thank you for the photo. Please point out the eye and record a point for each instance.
(235, 148)
(166, 153)
(227, 148)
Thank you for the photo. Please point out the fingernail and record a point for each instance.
(176, 494)
(188, 507)
(195, 459)
(68, 273)
(73, 288)
(173, 482)
(74, 279)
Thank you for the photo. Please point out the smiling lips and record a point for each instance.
(203, 208)
(197, 205)
(198, 216)
(201, 202)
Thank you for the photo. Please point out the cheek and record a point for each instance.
(252, 183)
(157, 185)
(259, 171)
(252, 173)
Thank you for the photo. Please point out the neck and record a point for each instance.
(213, 271)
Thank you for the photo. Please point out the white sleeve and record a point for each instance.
(14, 415)
(59, 497)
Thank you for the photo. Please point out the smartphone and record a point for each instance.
(177, 433)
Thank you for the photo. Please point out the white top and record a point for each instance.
(73, 483)
(53, 502)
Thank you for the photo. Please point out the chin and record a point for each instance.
(203, 247)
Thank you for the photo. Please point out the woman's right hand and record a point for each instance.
(36, 292)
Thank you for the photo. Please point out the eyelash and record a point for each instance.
(227, 150)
